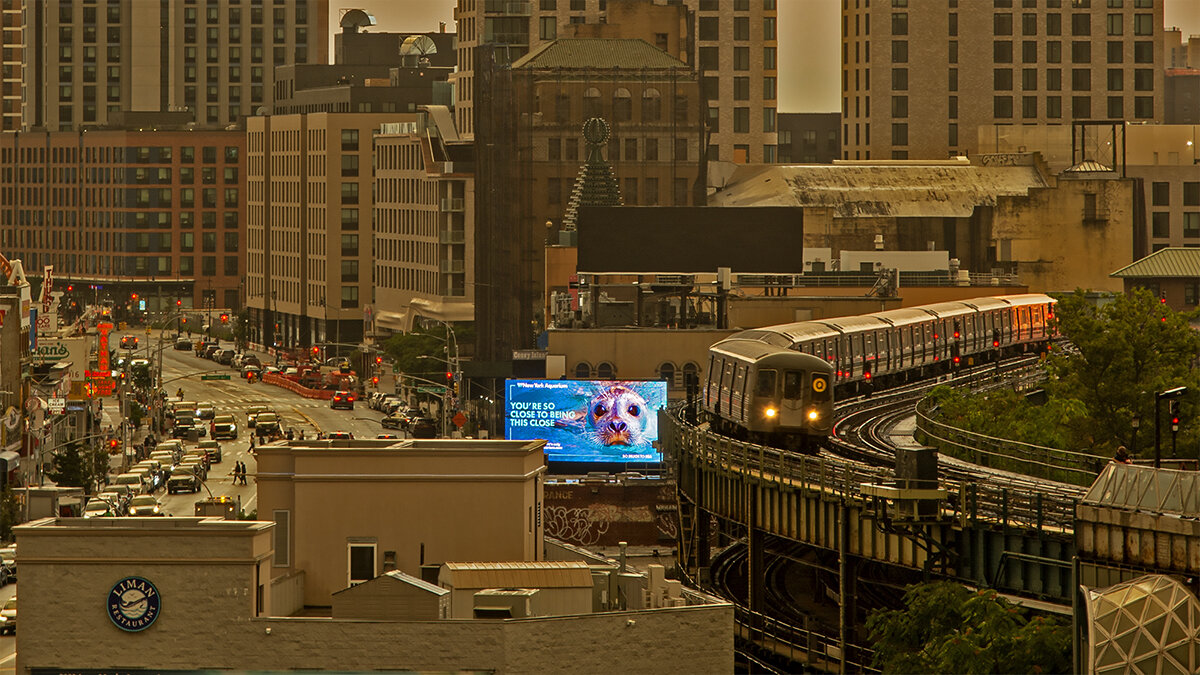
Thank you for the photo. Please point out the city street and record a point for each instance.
(183, 370)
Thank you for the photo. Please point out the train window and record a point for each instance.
(793, 384)
(583, 370)
(766, 384)
(712, 387)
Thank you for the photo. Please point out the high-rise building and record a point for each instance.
(156, 213)
(86, 60)
(424, 223)
(12, 44)
(731, 42)
(309, 231)
(920, 79)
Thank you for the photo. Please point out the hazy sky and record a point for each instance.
(809, 38)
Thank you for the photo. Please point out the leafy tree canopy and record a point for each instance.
(422, 351)
(948, 628)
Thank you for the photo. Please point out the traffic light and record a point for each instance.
(316, 350)
(179, 303)
(955, 354)
(224, 318)
(378, 360)
(114, 443)
(374, 380)
(454, 388)
(70, 287)
(449, 376)
(183, 320)
(133, 296)
(1173, 407)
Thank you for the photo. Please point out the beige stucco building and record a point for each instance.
(210, 580)
(310, 192)
(346, 511)
(1005, 214)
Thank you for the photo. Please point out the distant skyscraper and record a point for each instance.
(921, 79)
(86, 60)
(732, 43)
(12, 44)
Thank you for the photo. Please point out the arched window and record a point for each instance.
(591, 103)
(605, 371)
(622, 105)
(666, 371)
(583, 370)
(691, 370)
(651, 105)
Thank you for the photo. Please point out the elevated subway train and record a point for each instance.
(775, 384)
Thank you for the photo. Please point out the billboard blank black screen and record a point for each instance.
(690, 239)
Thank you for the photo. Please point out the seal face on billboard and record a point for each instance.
(134, 604)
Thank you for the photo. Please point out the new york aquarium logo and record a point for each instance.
(134, 604)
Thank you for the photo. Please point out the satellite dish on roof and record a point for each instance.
(354, 19)
(415, 45)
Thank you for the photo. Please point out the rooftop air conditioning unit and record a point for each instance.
(506, 603)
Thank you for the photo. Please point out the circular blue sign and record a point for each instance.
(134, 604)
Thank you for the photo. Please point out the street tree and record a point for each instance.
(948, 628)
(1125, 351)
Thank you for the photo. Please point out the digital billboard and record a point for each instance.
(602, 421)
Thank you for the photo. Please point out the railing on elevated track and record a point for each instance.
(1066, 466)
(968, 502)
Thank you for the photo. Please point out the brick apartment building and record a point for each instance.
(157, 213)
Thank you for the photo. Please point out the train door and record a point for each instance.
(846, 356)
(793, 395)
(739, 393)
(726, 389)
(710, 389)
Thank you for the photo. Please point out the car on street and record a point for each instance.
(98, 508)
(205, 411)
(183, 479)
(251, 369)
(145, 505)
(124, 493)
(253, 412)
(129, 342)
(132, 481)
(185, 425)
(183, 345)
(116, 501)
(385, 437)
(396, 421)
(197, 465)
(224, 426)
(340, 436)
(266, 424)
(391, 404)
(343, 400)
(212, 449)
(174, 446)
(8, 616)
(225, 357)
(424, 427)
(210, 352)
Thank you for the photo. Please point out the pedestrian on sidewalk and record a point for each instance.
(244, 474)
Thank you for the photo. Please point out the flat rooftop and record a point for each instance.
(412, 445)
(129, 524)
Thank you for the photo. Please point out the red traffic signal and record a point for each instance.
(374, 380)
(224, 318)
(70, 287)
(449, 376)
(113, 443)
(316, 350)
(178, 303)
(378, 360)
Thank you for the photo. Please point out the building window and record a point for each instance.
(1116, 52)
(349, 297)
(900, 106)
(605, 370)
(741, 89)
(900, 23)
(1081, 52)
(899, 51)
(666, 371)
(1143, 24)
(1054, 79)
(1053, 52)
(741, 58)
(1029, 79)
(1143, 52)
(349, 139)
(1002, 51)
(1002, 24)
(1116, 79)
(360, 563)
(1191, 193)
(1002, 107)
(899, 134)
(1029, 107)
(1116, 107)
(1002, 79)
(583, 370)
(622, 105)
(1143, 107)
(1143, 79)
(1054, 24)
(1115, 24)
(1029, 51)
(282, 537)
(1054, 107)
(741, 28)
(1161, 228)
(1081, 24)
(741, 120)
(1191, 293)
(1191, 225)
(1081, 107)
(900, 79)
(1029, 24)
(1081, 79)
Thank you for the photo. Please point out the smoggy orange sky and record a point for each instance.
(808, 40)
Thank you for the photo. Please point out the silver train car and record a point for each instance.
(856, 354)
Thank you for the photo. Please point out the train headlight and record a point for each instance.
(812, 415)
(771, 412)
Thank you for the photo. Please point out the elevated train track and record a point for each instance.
(993, 526)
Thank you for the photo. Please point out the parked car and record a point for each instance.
(225, 357)
(183, 479)
(210, 352)
(145, 505)
(424, 427)
(8, 616)
(183, 345)
(224, 426)
(342, 399)
(212, 449)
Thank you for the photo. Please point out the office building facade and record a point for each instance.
(920, 80)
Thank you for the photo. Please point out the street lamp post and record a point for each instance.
(1170, 394)
(1135, 423)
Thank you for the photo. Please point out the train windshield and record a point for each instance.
(766, 384)
(793, 384)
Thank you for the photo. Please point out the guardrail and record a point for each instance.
(285, 383)
(1066, 466)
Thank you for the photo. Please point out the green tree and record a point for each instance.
(1125, 351)
(10, 513)
(947, 628)
(71, 466)
(407, 350)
